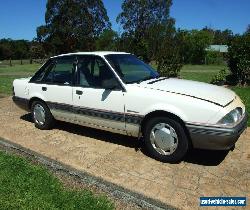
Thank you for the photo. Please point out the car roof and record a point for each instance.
(100, 53)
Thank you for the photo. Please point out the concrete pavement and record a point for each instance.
(116, 159)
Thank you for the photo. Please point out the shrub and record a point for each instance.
(168, 57)
(219, 79)
(239, 58)
(169, 66)
(213, 57)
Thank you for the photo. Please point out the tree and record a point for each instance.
(239, 58)
(107, 40)
(248, 29)
(169, 58)
(6, 49)
(36, 51)
(72, 25)
(220, 37)
(14, 49)
(139, 18)
(149, 32)
(124, 42)
(21, 49)
(193, 44)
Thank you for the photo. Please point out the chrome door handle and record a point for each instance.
(79, 92)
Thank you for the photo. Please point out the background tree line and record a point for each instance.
(192, 44)
(148, 31)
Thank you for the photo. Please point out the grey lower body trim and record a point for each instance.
(22, 103)
(116, 122)
(84, 120)
(214, 138)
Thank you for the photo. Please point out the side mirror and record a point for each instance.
(110, 84)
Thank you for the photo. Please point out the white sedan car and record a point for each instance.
(117, 92)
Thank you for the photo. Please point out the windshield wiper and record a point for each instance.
(147, 78)
(158, 80)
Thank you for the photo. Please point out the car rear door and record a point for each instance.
(56, 87)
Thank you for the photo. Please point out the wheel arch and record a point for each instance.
(161, 113)
(49, 119)
(35, 99)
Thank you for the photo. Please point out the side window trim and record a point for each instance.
(53, 64)
(115, 74)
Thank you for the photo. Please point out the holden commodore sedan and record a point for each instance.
(117, 92)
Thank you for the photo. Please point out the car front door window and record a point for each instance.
(93, 72)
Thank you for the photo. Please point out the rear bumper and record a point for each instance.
(21, 103)
(214, 138)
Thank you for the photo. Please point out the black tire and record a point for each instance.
(49, 119)
(182, 145)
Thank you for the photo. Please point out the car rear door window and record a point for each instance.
(62, 72)
(39, 75)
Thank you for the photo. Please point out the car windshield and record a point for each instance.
(131, 69)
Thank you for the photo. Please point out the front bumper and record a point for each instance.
(214, 138)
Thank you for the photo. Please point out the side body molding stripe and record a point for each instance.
(103, 114)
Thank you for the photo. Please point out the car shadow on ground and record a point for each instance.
(206, 157)
(194, 156)
(93, 133)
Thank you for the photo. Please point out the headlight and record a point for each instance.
(232, 117)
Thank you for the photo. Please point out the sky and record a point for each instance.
(19, 18)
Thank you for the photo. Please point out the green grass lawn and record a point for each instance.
(202, 73)
(28, 186)
(19, 69)
(6, 84)
(9, 73)
(18, 62)
(244, 94)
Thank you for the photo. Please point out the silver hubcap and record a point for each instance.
(39, 114)
(164, 139)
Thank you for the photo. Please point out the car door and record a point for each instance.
(98, 106)
(56, 87)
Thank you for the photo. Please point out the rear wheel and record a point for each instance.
(165, 139)
(42, 116)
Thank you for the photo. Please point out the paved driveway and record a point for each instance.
(116, 158)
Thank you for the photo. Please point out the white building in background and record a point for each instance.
(218, 48)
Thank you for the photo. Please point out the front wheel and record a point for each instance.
(165, 139)
(41, 115)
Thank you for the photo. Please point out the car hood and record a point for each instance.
(211, 93)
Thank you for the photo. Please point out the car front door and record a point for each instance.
(96, 105)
